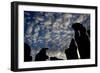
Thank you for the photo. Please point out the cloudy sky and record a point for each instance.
(51, 30)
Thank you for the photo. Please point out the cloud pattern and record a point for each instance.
(51, 30)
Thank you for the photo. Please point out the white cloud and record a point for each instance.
(29, 30)
(47, 35)
(47, 23)
(81, 18)
(39, 18)
(36, 29)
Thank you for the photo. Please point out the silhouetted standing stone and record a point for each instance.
(71, 52)
(27, 51)
(82, 40)
(88, 31)
(41, 56)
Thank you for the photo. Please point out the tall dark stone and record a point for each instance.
(27, 51)
(71, 52)
(82, 40)
(41, 56)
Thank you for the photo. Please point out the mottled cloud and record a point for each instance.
(52, 30)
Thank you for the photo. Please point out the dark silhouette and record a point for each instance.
(54, 58)
(71, 52)
(41, 56)
(88, 31)
(82, 40)
(27, 51)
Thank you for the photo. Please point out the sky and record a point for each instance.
(51, 30)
